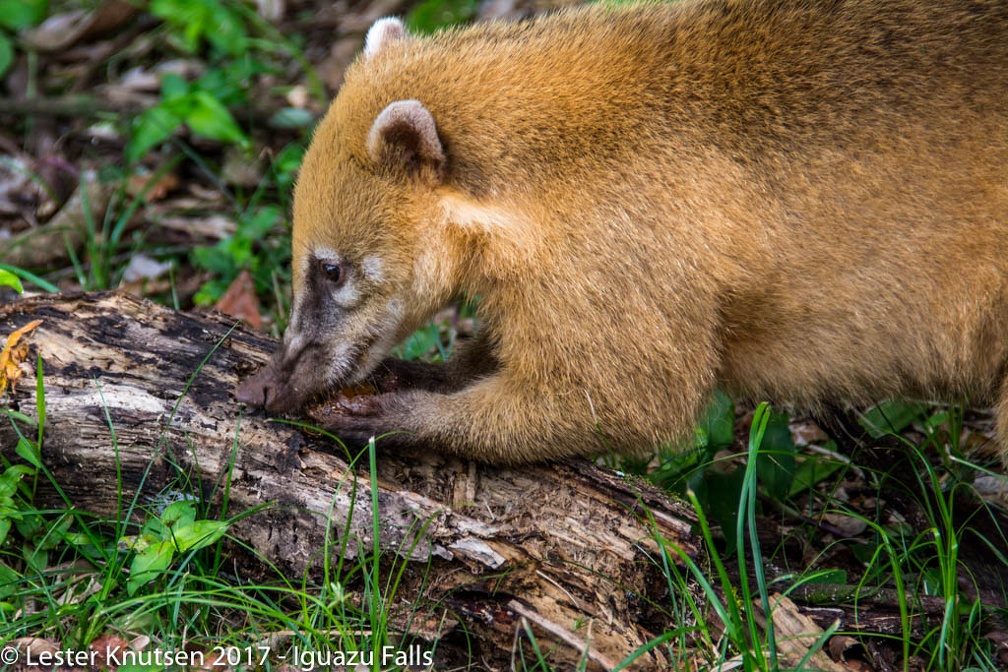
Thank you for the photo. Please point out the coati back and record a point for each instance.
(802, 200)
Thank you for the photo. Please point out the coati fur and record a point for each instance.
(800, 200)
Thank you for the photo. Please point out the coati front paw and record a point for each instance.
(356, 417)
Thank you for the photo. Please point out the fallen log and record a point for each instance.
(138, 395)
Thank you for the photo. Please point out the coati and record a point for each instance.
(801, 200)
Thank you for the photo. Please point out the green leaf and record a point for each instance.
(173, 87)
(256, 224)
(812, 470)
(211, 292)
(829, 577)
(8, 279)
(187, 533)
(186, 17)
(153, 530)
(36, 560)
(718, 424)
(149, 564)
(723, 493)
(217, 259)
(178, 514)
(152, 128)
(431, 15)
(286, 165)
(130, 667)
(18, 14)
(211, 119)
(194, 21)
(292, 117)
(776, 460)
(9, 580)
(30, 277)
(29, 527)
(55, 535)
(28, 452)
(9, 480)
(421, 342)
(5, 525)
(227, 29)
(6, 58)
(891, 417)
(170, 10)
(199, 534)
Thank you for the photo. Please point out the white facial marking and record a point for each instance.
(295, 341)
(292, 335)
(327, 253)
(295, 317)
(373, 270)
(339, 363)
(348, 295)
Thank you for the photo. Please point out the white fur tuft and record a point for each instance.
(381, 33)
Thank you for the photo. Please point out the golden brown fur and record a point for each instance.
(800, 200)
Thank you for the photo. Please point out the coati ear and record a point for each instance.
(381, 33)
(404, 135)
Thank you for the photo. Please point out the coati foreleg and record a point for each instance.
(472, 359)
(494, 420)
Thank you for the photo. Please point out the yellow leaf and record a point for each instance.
(12, 355)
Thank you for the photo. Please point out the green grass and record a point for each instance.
(71, 576)
(909, 564)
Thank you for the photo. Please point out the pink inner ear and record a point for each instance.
(405, 130)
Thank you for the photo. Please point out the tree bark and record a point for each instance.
(138, 402)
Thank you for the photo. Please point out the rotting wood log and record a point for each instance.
(137, 395)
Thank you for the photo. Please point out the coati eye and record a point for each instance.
(333, 272)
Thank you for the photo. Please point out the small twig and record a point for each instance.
(79, 105)
(117, 45)
(560, 633)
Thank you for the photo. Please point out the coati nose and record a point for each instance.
(256, 391)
